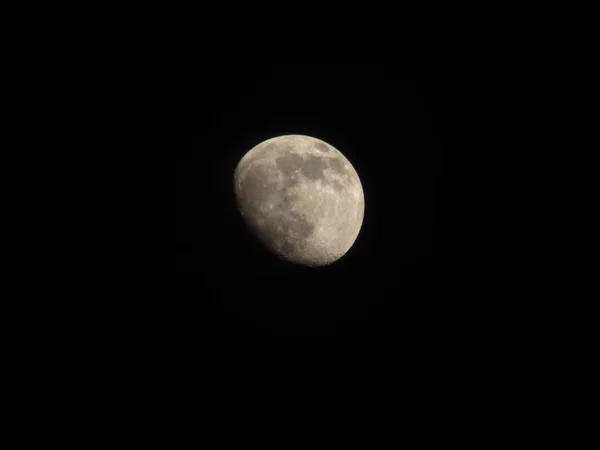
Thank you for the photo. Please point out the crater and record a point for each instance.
(287, 232)
(321, 146)
(290, 182)
(288, 199)
(313, 168)
(337, 185)
(295, 225)
(258, 184)
(337, 165)
(289, 163)
(288, 248)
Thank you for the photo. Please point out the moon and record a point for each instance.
(301, 198)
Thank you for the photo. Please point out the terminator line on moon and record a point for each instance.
(301, 198)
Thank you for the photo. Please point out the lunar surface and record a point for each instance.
(301, 198)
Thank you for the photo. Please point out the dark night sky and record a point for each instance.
(394, 130)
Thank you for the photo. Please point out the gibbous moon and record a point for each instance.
(301, 198)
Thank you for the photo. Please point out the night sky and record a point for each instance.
(394, 130)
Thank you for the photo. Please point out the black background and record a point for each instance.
(394, 282)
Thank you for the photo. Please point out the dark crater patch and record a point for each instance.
(337, 165)
(337, 186)
(288, 247)
(321, 146)
(289, 182)
(299, 226)
(288, 199)
(258, 184)
(255, 190)
(289, 163)
(289, 233)
(313, 168)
